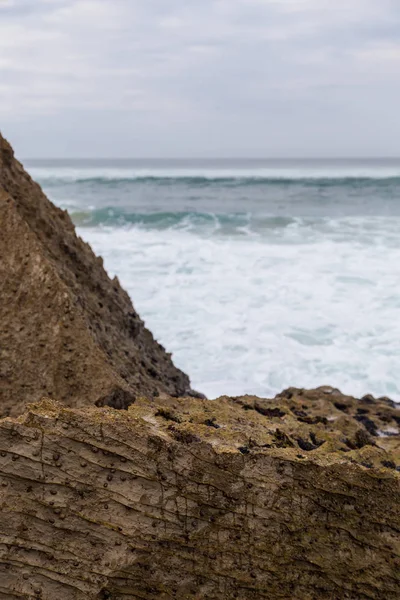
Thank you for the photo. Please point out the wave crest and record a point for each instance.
(113, 217)
(205, 181)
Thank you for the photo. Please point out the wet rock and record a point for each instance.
(211, 423)
(368, 423)
(306, 445)
(118, 398)
(269, 412)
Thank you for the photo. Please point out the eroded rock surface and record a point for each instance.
(66, 329)
(295, 498)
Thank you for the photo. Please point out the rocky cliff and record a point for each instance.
(66, 329)
(293, 498)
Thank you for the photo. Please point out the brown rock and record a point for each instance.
(66, 329)
(155, 503)
(294, 498)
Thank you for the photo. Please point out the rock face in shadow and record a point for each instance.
(292, 498)
(66, 329)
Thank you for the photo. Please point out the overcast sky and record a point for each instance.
(179, 78)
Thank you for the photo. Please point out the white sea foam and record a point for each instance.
(302, 305)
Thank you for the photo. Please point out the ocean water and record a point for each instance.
(256, 275)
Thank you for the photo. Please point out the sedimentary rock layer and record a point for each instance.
(66, 329)
(295, 498)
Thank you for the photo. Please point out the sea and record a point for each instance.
(256, 274)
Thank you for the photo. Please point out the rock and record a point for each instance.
(66, 329)
(293, 498)
(154, 503)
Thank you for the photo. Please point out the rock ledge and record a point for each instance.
(238, 498)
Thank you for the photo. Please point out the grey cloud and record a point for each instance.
(218, 77)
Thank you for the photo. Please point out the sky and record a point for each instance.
(200, 78)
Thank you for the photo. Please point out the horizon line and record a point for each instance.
(213, 158)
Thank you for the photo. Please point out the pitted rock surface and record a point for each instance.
(291, 498)
(201, 500)
(66, 329)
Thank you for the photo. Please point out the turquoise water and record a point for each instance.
(255, 274)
